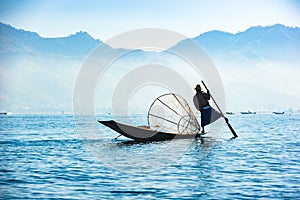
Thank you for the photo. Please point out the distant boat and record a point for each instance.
(229, 113)
(278, 113)
(248, 112)
(3, 113)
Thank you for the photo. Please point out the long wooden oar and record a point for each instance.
(227, 122)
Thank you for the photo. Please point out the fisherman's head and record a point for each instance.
(198, 88)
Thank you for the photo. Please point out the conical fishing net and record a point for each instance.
(171, 113)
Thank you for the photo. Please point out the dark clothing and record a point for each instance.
(201, 99)
(205, 115)
(208, 114)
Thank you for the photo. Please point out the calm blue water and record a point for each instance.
(43, 157)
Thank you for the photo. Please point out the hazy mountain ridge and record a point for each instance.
(19, 41)
(38, 74)
(276, 42)
(267, 41)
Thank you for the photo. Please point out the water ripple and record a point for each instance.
(42, 157)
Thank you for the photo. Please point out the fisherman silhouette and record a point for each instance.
(201, 102)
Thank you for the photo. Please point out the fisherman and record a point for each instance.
(201, 102)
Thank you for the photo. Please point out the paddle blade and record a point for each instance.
(231, 129)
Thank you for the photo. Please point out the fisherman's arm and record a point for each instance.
(207, 95)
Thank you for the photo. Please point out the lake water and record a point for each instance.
(43, 156)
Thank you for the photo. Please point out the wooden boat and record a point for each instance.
(144, 133)
(278, 113)
(169, 117)
(248, 112)
(229, 113)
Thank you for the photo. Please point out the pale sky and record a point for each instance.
(104, 19)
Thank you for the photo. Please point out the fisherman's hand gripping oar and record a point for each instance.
(226, 119)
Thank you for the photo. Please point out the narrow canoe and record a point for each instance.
(144, 133)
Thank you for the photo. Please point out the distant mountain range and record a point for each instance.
(272, 42)
(38, 74)
(277, 41)
(14, 40)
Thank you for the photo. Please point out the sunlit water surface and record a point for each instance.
(43, 156)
